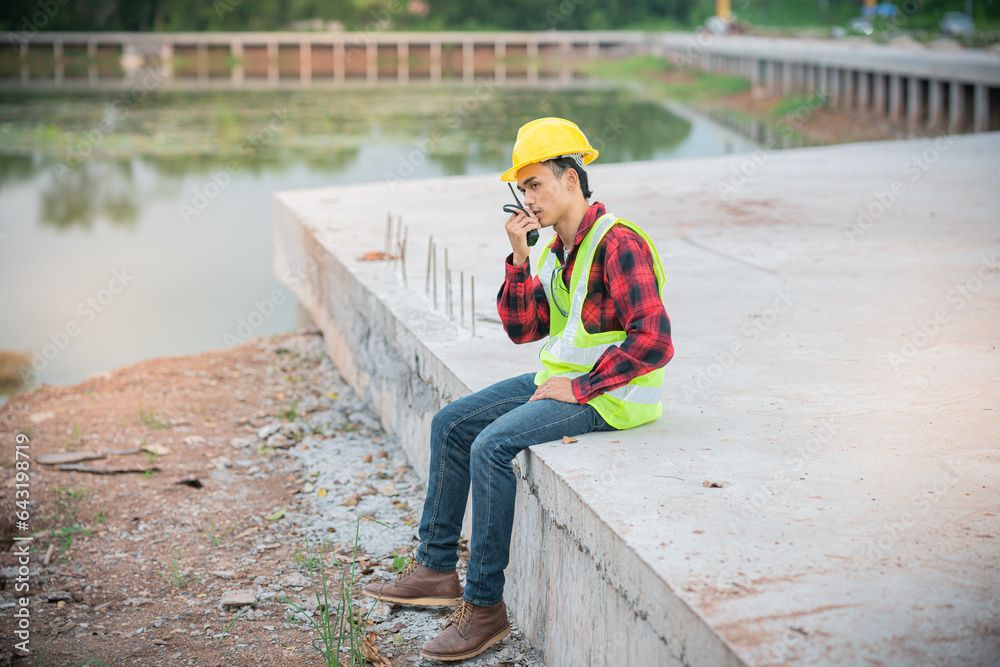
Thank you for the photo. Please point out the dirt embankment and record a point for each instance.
(806, 115)
(262, 466)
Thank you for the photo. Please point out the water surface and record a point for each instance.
(120, 240)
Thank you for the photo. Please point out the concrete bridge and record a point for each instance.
(308, 58)
(940, 90)
(947, 91)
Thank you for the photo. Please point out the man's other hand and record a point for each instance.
(558, 388)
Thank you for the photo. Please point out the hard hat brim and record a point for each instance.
(511, 174)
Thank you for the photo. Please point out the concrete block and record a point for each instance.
(835, 376)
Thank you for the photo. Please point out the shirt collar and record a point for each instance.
(593, 213)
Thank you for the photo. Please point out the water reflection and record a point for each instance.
(85, 174)
(774, 135)
(17, 168)
(96, 189)
(80, 199)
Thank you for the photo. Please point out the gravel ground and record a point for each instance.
(364, 473)
(257, 467)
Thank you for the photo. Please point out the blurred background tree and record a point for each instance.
(198, 15)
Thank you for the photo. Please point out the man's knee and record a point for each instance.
(486, 452)
(440, 421)
(480, 453)
(444, 421)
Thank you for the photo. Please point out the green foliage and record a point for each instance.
(306, 560)
(66, 499)
(378, 15)
(65, 524)
(151, 421)
(797, 104)
(176, 576)
(214, 536)
(64, 536)
(651, 71)
(85, 663)
(291, 414)
(361, 15)
(340, 626)
(400, 562)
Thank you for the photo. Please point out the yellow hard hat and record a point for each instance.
(548, 138)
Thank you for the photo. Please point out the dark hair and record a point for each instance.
(559, 166)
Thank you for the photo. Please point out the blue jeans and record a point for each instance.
(473, 441)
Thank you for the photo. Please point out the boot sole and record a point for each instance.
(417, 602)
(451, 658)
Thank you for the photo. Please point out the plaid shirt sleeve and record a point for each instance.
(522, 305)
(630, 280)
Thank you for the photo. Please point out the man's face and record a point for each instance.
(546, 195)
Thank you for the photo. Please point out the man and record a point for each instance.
(597, 297)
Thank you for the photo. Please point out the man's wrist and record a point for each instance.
(516, 261)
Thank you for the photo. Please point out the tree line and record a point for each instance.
(26, 16)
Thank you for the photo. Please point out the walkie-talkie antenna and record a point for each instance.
(513, 192)
(532, 236)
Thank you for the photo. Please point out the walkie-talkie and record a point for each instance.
(532, 235)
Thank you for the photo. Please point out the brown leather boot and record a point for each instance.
(420, 586)
(469, 631)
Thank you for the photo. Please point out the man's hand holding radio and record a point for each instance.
(518, 225)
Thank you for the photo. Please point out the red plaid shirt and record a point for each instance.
(622, 295)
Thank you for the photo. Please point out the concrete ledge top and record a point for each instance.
(835, 316)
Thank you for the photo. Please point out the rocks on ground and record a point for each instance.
(270, 476)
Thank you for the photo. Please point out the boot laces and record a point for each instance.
(411, 564)
(462, 616)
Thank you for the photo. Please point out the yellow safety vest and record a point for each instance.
(572, 351)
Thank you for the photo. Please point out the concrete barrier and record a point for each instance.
(834, 311)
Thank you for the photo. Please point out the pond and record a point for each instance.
(119, 240)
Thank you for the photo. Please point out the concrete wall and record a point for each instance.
(584, 597)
